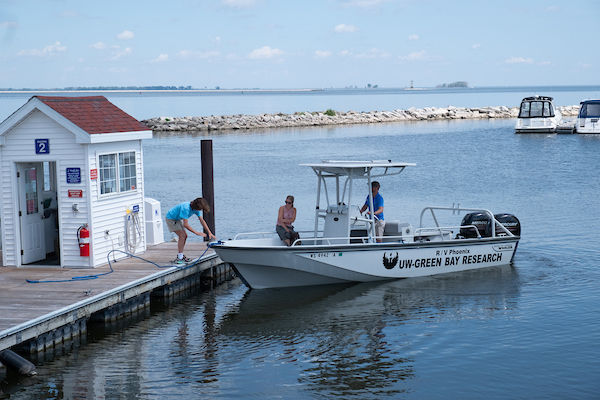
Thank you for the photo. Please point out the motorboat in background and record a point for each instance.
(343, 246)
(587, 119)
(537, 114)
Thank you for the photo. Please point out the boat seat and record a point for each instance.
(397, 228)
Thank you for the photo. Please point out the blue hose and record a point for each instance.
(96, 276)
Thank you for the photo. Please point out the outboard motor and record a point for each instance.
(481, 221)
(484, 225)
(510, 222)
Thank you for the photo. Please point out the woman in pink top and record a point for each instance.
(285, 219)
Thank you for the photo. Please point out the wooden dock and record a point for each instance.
(38, 316)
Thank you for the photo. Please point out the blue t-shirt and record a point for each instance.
(377, 202)
(181, 211)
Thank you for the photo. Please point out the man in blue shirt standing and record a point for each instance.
(378, 206)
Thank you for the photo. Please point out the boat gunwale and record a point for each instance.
(369, 246)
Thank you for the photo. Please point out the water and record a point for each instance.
(144, 105)
(527, 331)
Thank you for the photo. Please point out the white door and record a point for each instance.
(30, 179)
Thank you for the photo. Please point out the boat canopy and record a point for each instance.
(589, 109)
(336, 212)
(356, 169)
(536, 107)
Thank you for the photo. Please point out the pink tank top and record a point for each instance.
(287, 214)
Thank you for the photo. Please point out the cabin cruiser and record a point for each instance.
(587, 119)
(537, 114)
(343, 247)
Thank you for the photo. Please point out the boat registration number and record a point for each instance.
(326, 254)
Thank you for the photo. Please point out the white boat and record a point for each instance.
(346, 250)
(537, 114)
(587, 119)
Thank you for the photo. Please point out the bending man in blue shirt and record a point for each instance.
(177, 222)
(378, 206)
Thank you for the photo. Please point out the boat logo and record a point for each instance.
(390, 262)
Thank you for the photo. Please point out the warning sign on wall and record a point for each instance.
(75, 193)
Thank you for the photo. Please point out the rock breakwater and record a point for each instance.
(330, 117)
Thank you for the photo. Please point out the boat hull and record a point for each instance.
(263, 267)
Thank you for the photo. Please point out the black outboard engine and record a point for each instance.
(483, 223)
(510, 222)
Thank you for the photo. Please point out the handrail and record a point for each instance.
(264, 234)
(447, 228)
(458, 209)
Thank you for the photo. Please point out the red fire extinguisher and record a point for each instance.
(83, 236)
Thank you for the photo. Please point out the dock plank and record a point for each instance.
(22, 302)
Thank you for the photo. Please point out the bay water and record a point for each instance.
(526, 331)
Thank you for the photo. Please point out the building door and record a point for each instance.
(30, 179)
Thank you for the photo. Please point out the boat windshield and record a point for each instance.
(590, 110)
(536, 109)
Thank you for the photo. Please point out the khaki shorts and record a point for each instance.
(379, 227)
(174, 225)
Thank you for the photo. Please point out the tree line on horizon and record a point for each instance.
(97, 88)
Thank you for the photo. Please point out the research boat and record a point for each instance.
(343, 246)
(537, 114)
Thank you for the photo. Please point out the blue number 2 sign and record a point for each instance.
(42, 146)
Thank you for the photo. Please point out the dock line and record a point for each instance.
(96, 276)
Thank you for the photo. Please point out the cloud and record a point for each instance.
(99, 46)
(322, 54)
(118, 52)
(519, 60)
(374, 53)
(69, 14)
(476, 46)
(240, 4)
(345, 53)
(9, 25)
(413, 37)
(161, 58)
(363, 4)
(265, 53)
(343, 28)
(48, 51)
(415, 56)
(546, 63)
(125, 35)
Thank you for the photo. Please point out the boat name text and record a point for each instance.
(392, 260)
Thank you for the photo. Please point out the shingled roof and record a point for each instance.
(93, 114)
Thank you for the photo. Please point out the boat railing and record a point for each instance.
(266, 235)
(457, 209)
(441, 230)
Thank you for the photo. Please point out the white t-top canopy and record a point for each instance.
(358, 168)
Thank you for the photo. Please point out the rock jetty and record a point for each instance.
(330, 117)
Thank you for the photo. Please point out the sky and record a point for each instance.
(284, 44)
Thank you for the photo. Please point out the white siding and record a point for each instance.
(110, 210)
(100, 212)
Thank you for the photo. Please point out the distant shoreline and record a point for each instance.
(157, 91)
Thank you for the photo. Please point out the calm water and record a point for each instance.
(527, 331)
(146, 105)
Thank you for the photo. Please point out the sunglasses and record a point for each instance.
(288, 202)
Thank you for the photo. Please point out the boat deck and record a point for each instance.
(28, 310)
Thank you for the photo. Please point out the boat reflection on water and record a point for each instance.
(362, 336)
(297, 309)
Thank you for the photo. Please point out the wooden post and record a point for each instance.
(208, 186)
